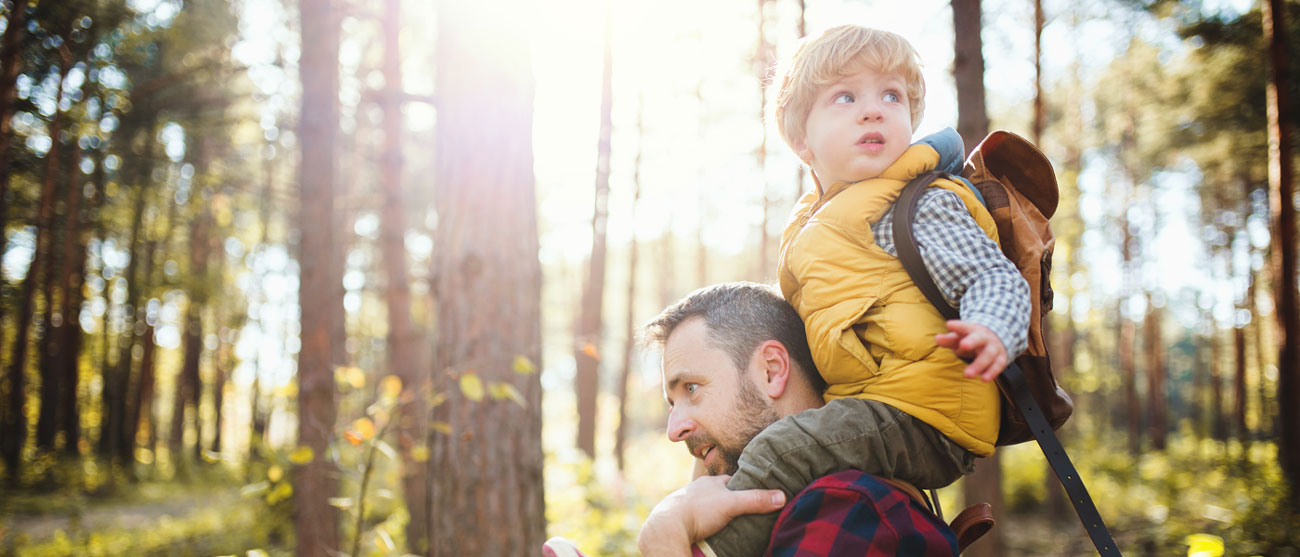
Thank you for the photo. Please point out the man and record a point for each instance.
(736, 361)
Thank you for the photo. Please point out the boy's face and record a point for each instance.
(857, 127)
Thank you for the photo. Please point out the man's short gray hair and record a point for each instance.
(740, 316)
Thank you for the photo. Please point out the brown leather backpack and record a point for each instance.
(1019, 189)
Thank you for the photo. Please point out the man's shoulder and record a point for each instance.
(853, 512)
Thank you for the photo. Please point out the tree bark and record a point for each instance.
(403, 339)
(11, 64)
(587, 341)
(762, 59)
(968, 71)
(486, 474)
(320, 286)
(14, 424)
(985, 484)
(1239, 382)
(1157, 424)
(1128, 365)
(1040, 121)
(1282, 203)
(188, 386)
(118, 378)
(1218, 425)
(56, 321)
(629, 326)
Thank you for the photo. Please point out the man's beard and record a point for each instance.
(751, 415)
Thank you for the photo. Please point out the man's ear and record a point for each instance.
(775, 362)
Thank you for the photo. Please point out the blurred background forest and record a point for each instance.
(365, 277)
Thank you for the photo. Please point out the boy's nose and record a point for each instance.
(679, 426)
(870, 111)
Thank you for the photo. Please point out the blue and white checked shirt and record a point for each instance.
(968, 267)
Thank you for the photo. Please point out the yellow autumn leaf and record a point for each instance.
(523, 365)
(364, 428)
(352, 376)
(437, 399)
(1204, 545)
(282, 491)
(590, 350)
(471, 386)
(302, 455)
(421, 453)
(274, 473)
(502, 391)
(391, 386)
(440, 427)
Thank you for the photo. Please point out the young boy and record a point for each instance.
(901, 403)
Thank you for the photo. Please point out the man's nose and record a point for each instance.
(680, 425)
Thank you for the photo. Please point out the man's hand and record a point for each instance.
(697, 511)
(978, 345)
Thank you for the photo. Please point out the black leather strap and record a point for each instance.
(1012, 378)
(904, 213)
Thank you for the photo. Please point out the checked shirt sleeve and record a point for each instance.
(967, 266)
(852, 513)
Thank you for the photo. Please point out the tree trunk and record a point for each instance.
(139, 394)
(403, 339)
(11, 64)
(968, 71)
(1128, 365)
(72, 336)
(985, 484)
(762, 60)
(1218, 425)
(118, 378)
(320, 286)
(1239, 382)
(57, 319)
(1040, 120)
(220, 366)
(14, 426)
(486, 474)
(629, 328)
(587, 342)
(1282, 202)
(1157, 424)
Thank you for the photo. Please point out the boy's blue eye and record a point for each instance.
(690, 388)
(842, 98)
(892, 97)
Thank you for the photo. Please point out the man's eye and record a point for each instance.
(842, 98)
(892, 97)
(690, 388)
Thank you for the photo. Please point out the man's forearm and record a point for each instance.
(662, 536)
(697, 511)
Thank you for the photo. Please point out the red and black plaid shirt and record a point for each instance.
(852, 513)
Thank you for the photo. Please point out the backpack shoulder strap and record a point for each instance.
(910, 255)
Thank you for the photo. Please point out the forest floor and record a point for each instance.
(115, 515)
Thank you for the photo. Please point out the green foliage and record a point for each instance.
(1156, 502)
(600, 518)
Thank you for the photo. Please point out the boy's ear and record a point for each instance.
(804, 153)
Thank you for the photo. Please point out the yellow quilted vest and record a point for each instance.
(871, 330)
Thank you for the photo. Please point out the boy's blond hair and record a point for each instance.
(838, 52)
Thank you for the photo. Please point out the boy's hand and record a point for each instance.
(976, 344)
